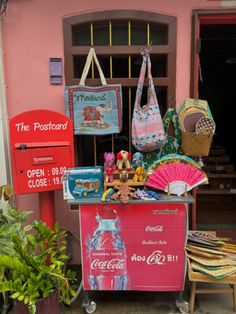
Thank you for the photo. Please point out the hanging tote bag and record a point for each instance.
(94, 110)
(147, 127)
(173, 144)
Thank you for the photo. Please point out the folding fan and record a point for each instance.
(172, 158)
(177, 176)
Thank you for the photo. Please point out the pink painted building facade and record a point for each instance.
(32, 32)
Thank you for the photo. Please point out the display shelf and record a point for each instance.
(117, 181)
(164, 198)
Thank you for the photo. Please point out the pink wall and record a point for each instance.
(32, 33)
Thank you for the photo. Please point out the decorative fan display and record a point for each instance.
(176, 175)
(172, 158)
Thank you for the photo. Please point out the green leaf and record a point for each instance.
(15, 295)
(14, 263)
(26, 299)
(27, 228)
(63, 257)
(32, 308)
(56, 227)
(21, 297)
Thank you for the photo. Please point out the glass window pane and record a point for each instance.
(79, 62)
(158, 34)
(119, 33)
(161, 92)
(159, 65)
(101, 34)
(120, 66)
(81, 35)
(138, 34)
(85, 150)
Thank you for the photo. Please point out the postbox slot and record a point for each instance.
(41, 145)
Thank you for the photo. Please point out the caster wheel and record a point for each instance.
(91, 308)
(183, 307)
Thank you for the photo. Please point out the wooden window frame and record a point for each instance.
(129, 15)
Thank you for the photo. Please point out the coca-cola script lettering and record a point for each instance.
(154, 228)
(111, 264)
(156, 258)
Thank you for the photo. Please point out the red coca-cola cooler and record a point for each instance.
(133, 246)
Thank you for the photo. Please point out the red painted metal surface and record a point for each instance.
(46, 206)
(41, 149)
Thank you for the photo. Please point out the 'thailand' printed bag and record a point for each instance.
(94, 110)
(147, 127)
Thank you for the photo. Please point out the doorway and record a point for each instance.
(217, 81)
(214, 79)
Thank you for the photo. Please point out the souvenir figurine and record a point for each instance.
(109, 160)
(123, 158)
(107, 195)
(124, 192)
(109, 166)
(139, 174)
(109, 173)
(137, 160)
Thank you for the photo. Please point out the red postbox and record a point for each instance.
(41, 149)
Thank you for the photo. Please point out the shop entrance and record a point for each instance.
(214, 78)
(217, 80)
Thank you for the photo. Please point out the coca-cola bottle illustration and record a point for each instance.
(107, 255)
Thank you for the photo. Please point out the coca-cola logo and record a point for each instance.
(114, 263)
(156, 258)
(154, 228)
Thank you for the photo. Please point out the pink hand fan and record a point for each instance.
(176, 177)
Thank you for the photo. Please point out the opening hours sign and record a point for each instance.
(42, 149)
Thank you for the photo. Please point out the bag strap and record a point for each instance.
(146, 64)
(92, 55)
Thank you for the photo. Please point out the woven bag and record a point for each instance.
(194, 144)
(147, 127)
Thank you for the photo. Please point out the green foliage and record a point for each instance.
(35, 259)
(5, 192)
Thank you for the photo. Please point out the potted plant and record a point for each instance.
(33, 271)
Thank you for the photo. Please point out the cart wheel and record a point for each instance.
(183, 307)
(91, 308)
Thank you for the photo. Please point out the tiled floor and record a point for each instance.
(151, 303)
(148, 303)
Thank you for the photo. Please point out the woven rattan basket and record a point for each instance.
(196, 144)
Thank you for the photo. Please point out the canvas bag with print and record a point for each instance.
(147, 126)
(94, 110)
